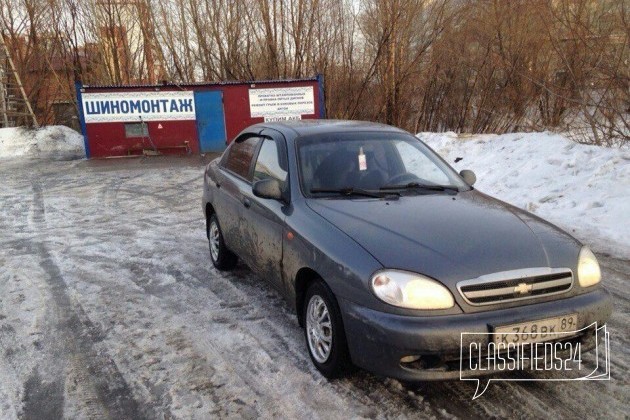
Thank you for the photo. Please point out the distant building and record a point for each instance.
(47, 78)
(127, 42)
(188, 118)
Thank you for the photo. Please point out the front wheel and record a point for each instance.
(324, 332)
(222, 258)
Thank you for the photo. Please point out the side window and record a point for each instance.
(267, 165)
(240, 156)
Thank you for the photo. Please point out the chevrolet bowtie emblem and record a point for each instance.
(523, 288)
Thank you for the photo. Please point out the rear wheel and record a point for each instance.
(222, 258)
(324, 332)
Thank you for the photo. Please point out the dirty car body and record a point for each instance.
(404, 261)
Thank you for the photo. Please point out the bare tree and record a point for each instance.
(486, 66)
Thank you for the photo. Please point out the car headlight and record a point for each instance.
(588, 268)
(410, 290)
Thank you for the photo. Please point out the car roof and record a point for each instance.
(306, 127)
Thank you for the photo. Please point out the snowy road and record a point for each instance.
(109, 308)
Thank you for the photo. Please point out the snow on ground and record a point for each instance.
(53, 142)
(110, 308)
(582, 189)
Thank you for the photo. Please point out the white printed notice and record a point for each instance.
(280, 104)
(138, 106)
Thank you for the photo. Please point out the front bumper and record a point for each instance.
(378, 340)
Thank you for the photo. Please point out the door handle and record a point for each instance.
(246, 202)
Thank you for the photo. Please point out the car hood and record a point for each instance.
(449, 237)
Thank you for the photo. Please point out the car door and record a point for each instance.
(234, 186)
(263, 220)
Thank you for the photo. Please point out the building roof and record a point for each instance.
(200, 84)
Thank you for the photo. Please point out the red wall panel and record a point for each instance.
(236, 105)
(108, 139)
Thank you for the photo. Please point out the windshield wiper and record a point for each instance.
(419, 186)
(348, 191)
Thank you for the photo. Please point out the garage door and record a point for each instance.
(210, 121)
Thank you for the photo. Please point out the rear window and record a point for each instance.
(240, 156)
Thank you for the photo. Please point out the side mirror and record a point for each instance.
(469, 176)
(267, 188)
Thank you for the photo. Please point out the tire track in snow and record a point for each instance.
(101, 387)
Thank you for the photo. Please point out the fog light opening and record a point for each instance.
(417, 362)
(409, 359)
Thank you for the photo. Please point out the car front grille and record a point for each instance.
(514, 285)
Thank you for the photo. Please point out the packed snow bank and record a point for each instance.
(55, 142)
(583, 189)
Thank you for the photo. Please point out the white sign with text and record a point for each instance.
(138, 106)
(281, 102)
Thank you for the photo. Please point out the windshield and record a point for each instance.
(370, 161)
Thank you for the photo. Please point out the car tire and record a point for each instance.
(320, 309)
(222, 258)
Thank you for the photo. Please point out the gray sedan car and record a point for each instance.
(386, 253)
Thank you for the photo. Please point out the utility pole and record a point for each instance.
(15, 107)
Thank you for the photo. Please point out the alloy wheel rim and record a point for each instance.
(214, 241)
(319, 329)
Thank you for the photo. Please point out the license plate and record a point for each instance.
(536, 331)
